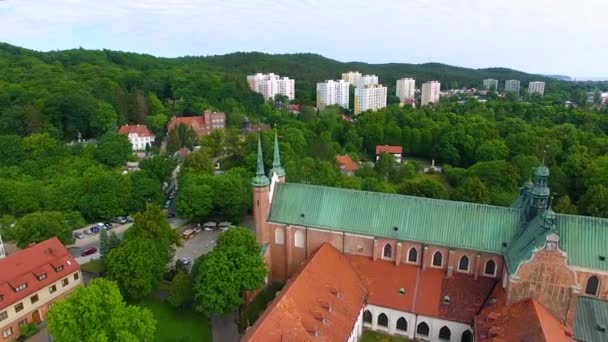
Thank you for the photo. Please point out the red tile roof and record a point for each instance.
(293, 107)
(24, 267)
(467, 296)
(201, 125)
(324, 298)
(388, 149)
(140, 130)
(347, 163)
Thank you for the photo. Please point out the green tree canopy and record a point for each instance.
(43, 225)
(113, 149)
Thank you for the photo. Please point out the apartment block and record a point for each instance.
(31, 281)
(366, 80)
(490, 84)
(370, 97)
(270, 85)
(352, 77)
(332, 93)
(430, 92)
(536, 87)
(512, 86)
(405, 89)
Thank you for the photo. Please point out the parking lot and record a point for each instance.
(197, 245)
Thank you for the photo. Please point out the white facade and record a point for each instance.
(2, 252)
(357, 331)
(536, 87)
(332, 93)
(139, 143)
(412, 322)
(490, 84)
(512, 86)
(366, 80)
(430, 92)
(405, 89)
(370, 97)
(352, 77)
(270, 84)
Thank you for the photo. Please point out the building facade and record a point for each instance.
(430, 92)
(270, 85)
(405, 89)
(490, 84)
(139, 136)
(370, 97)
(332, 93)
(202, 124)
(31, 280)
(352, 77)
(512, 86)
(536, 87)
(366, 80)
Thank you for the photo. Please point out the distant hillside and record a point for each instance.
(560, 77)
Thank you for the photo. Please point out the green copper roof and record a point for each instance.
(591, 321)
(276, 162)
(448, 223)
(585, 239)
(260, 178)
(526, 242)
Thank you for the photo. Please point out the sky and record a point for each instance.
(565, 37)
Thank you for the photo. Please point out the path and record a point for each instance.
(224, 328)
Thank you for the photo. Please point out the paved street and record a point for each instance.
(199, 244)
(224, 328)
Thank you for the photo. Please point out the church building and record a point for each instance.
(426, 269)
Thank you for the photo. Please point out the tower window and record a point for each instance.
(593, 284)
(463, 265)
(438, 259)
(490, 268)
(388, 251)
(412, 255)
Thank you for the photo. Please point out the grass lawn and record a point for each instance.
(373, 336)
(93, 266)
(177, 325)
(251, 312)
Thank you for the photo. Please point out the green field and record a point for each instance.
(177, 325)
(373, 336)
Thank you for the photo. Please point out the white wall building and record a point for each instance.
(512, 86)
(332, 93)
(139, 136)
(430, 92)
(366, 80)
(405, 89)
(490, 84)
(370, 97)
(270, 84)
(536, 87)
(352, 77)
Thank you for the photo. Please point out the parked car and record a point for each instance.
(185, 261)
(89, 251)
(108, 225)
(129, 218)
(79, 235)
(119, 220)
(101, 225)
(95, 229)
(87, 232)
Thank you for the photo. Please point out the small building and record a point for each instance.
(139, 136)
(294, 108)
(31, 280)
(202, 124)
(182, 153)
(396, 151)
(346, 164)
(248, 127)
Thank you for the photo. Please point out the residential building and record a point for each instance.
(202, 124)
(512, 86)
(490, 84)
(430, 92)
(352, 77)
(536, 87)
(139, 136)
(293, 108)
(366, 80)
(270, 85)
(433, 270)
(396, 151)
(31, 281)
(332, 93)
(405, 89)
(346, 165)
(370, 97)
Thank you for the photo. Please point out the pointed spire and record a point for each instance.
(260, 178)
(276, 162)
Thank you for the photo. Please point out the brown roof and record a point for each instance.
(140, 130)
(197, 123)
(24, 267)
(388, 149)
(347, 163)
(322, 302)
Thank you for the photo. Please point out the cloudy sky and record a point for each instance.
(565, 37)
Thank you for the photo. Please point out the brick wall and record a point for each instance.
(582, 276)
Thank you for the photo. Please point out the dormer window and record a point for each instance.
(21, 288)
(42, 276)
(59, 268)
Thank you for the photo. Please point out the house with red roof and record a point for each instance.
(396, 151)
(346, 165)
(139, 136)
(202, 124)
(31, 280)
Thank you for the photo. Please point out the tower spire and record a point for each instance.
(276, 161)
(260, 178)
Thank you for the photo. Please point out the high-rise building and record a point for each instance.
(366, 80)
(536, 87)
(430, 92)
(405, 89)
(270, 85)
(370, 97)
(512, 86)
(352, 77)
(490, 84)
(332, 93)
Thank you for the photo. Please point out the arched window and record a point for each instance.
(593, 283)
(467, 336)
(279, 236)
(412, 255)
(422, 329)
(388, 251)
(298, 239)
(383, 320)
(437, 259)
(367, 317)
(445, 333)
(463, 265)
(490, 268)
(402, 324)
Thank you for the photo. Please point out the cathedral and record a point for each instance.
(426, 269)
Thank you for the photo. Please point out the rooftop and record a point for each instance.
(140, 130)
(388, 149)
(591, 322)
(346, 162)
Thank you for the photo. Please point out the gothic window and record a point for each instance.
(388, 251)
(593, 284)
(490, 268)
(299, 239)
(383, 320)
(445, 333)
(279, 236)
(423, 329)
(402, 324)
(367, 317)
(467, 336)
(412, 255)
(463, 265)
(437, 259)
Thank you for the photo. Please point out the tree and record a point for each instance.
(104, 244)
(174, 142)
(423, 188)
(214, 142)
(113, 149)
(195, 197)
(153, 225)
(564, 205)
(98, 313)
(11, 150)
(104, 118)
(198, 162)
(160, 165)
(43, 225)
(473, 190)
(384, 165)
(238, 236)
(180, 291)
(105, 195)
(595, 201)
(145, 190)
(492, 150)
(233, 194)
(137, 267)
(157, 123)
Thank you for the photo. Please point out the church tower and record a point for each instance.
(261, 200)
(538, 194)
(276, 161)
